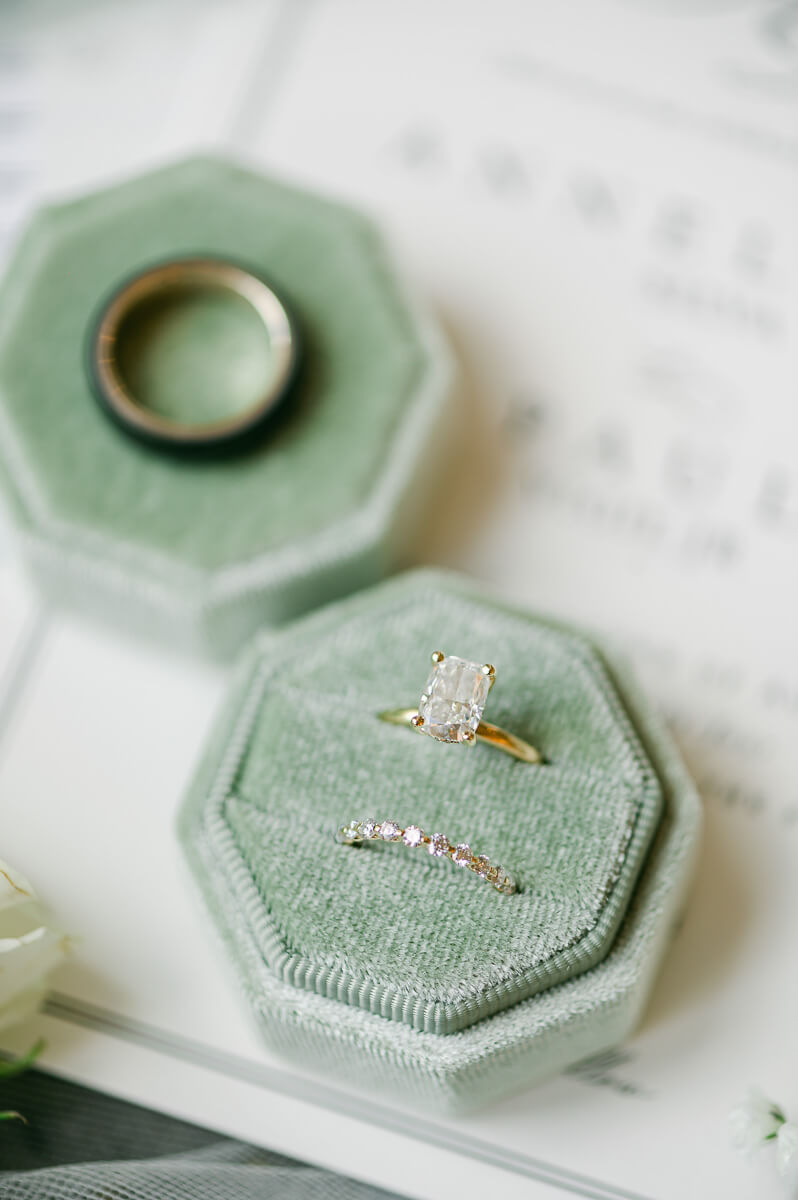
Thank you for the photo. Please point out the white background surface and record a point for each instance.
(599, 199)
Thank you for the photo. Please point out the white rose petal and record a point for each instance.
(23, 1006)
(14, 888)
(29, 948)
(787, 1155)
(754, 1121)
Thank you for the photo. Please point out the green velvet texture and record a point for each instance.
(324, 489)
(406, 958)
(406, 935)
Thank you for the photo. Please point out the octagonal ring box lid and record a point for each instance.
(431, 973)
(206, 551)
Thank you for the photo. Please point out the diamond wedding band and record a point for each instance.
(452, 704)
(437, 844)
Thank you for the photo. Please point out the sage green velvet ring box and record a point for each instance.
(204, 552)
(382, 963)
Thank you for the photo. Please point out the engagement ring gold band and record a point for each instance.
(437, 844)
(451, 708)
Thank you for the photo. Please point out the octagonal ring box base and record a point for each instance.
(205, 551)
(391, 968)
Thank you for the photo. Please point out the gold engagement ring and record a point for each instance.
(452, 704)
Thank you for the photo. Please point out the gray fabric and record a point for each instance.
(82, 1145)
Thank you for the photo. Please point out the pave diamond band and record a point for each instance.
(437, 844)
(451, 707)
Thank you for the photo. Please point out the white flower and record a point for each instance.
(29, 948)
(787, 1154)
(754, 1122)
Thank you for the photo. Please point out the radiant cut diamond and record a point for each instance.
(413, 836)
(462, 855)
(390, 831)
(439, 845)
(454, 699)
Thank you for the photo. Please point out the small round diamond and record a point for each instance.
(439, 845)
(481, 864)
(413, 836)
(462, 855)
(390, 831)
(368, 829)
(351, 832)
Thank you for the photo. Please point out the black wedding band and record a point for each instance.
(143, 423)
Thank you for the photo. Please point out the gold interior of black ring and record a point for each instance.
(137, 305)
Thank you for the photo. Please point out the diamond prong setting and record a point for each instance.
(354, 833)
(439, 845)
(454, 698)
(413, 836)
(461, 855)
(349, 834)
